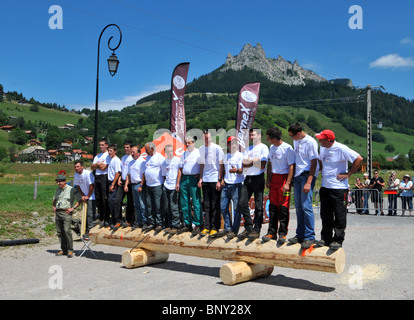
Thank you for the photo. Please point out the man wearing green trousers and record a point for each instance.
(63, 208)
(187, 180)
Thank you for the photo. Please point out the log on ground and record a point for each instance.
(254, 252)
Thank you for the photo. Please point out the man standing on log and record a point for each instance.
(120, 195)
(114, 172)
(254, 164)
(334, 158)
(133, 181)
(211, 172)
(187, 178)
(63, 208)
(100, 166)
(279, 178)
(152, 179)
(306, 172)
(170, 195)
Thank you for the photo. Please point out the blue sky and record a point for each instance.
(59, 65)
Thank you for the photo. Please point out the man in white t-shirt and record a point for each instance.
(279, 179)
(306, 173)
(84, 180)
(114, 172)
(334, 158)
(152, 179)
(170, 195)
(100, 166)
(187, 179)
(231, 187)
(211, 172)
(120, 194)
(136, 168)
(254, 164)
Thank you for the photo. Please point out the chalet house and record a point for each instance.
(7, 128)
(34, 142)
(36, 153)
(65, 146)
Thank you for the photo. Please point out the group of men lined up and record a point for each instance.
(157, 187)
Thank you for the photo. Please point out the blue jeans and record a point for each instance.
(231, 192)
(305, 229)
(366, 203)
(139, 205)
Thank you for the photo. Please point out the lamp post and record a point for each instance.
(113, 63)
(369, 129)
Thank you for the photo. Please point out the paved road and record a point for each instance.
(379, 266)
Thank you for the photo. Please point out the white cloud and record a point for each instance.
(408, 41)
(392, 61)
(126, 101)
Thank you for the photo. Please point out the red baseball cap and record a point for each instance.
(326, 134)
(229, 139)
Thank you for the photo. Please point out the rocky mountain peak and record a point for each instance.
(277, 70)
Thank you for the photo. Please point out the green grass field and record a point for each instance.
(54, 117)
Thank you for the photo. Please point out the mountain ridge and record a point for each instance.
(277, 70)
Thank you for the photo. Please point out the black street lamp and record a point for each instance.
(113, 63)
(369, 129)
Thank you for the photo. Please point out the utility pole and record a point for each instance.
(369, 133)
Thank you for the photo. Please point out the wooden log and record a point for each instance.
(141, 257)
(236, 272)
(254, 252)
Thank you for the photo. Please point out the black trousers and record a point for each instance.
(101, 196)
(278, 219)
(129, 211)
(211, 204)
(252, 185)
(333, 214)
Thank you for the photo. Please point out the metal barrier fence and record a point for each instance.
(372, 201)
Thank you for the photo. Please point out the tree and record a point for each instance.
(389, 148)
(53, 138)
(18, 136)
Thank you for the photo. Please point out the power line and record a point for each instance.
(142, 30)
(125, 4)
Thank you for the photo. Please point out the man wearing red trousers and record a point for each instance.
(279, 177)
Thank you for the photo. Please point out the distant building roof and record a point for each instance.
(31, 150)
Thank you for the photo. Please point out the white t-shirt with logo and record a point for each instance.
(114, 167)
(125, 161)
(211, 157)
(102, 157)
(306, 150)
(84, 180)
(189, 162)
(169, 171)
(335, 161)
(135, 169)
(281, 158)
(233, 160)
(260, 151)
(153, 170)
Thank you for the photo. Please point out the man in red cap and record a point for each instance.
(334, 158)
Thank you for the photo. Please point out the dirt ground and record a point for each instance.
(379, 264)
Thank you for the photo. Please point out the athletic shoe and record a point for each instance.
(204, 232)
(306, 244)
(253, 235)
(243, 235)
(213, 233)
(268, 237)
(183, 229)
(281, 240)
(335, 245)
(196, 231)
